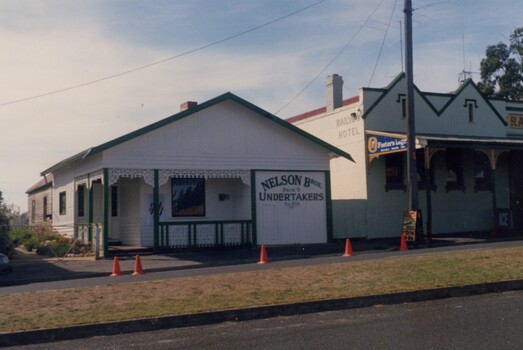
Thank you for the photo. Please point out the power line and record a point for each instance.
(332, 60)
(383, 43)
(91, 82)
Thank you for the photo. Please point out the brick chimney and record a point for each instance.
(187, 105)
(334, 84)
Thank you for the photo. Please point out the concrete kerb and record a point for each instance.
(206, 318)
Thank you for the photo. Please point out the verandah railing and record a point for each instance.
(205, 233)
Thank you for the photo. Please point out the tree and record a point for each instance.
(502, 68)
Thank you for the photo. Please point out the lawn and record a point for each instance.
(48, 309)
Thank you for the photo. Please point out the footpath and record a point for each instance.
(32, 273)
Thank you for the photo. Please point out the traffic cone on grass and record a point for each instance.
(137, 266)
(263, 256)
(116, 268)
(348, 248)
(403, 244)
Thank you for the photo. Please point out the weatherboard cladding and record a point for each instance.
(193, 111)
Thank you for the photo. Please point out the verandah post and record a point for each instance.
(156, 212)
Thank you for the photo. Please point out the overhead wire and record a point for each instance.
(332, 60)
(112, 76)
(383, 43)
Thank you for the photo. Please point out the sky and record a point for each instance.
(265, 51)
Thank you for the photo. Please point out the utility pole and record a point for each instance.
(412, 184)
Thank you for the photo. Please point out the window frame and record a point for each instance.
(186, 211)
(81, 200)
(390, 159)
(481, 163)
(62, 200)
(44, 208)
(454, 159)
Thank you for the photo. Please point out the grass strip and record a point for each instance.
(60, 308)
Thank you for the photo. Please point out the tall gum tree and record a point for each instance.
(502, 68)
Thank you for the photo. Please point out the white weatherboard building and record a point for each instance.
(223, 172)
(469, 159)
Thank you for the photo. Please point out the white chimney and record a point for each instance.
(334, 84)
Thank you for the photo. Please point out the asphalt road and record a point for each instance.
(490, 321)
(232, 267)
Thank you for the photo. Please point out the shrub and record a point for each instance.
(18, 235)
(45, 241)
(31, 243)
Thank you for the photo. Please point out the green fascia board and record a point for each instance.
(207, 104)
(423, 95)
(385, 91)
(389, 88)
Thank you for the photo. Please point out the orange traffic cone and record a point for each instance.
(137, 266)
(116, 268)
(263, 256)
(403, 244)
(348, 248)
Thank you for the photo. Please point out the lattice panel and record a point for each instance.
(179, 236)
(206, 235)
(232, 234)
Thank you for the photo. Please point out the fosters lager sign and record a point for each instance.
(379, 143)
(290, 189)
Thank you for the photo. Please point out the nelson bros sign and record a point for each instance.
(290, 189)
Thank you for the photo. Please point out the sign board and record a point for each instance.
(410, 219)
(382, 143)
(412, 225)
(291, 207)
(515, 121)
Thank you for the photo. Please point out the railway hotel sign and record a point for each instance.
(515, 121)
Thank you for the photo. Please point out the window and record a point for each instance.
(45, 208)
(455, 181)
(81, 200)
(33, 211)
(402, 98)
(471, 113)
(394, 170)
(188, 197)
(482, 172)
(61, 202)
(470, 105)
(114, 201)
(421, 172)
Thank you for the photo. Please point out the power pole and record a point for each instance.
(412, 183)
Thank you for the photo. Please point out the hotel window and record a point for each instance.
(402, 99)
(81, 200)
(61, 202)
(188, 197)
(455, 178)
(482, 172)
(470, 105)
(394, 171)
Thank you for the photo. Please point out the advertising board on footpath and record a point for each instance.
(412, 226)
